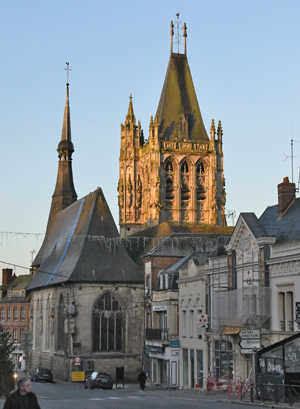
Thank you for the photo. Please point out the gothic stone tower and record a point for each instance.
(177, 174)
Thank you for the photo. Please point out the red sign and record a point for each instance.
(77, 360)
(202, 319)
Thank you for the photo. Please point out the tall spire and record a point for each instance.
(64, 194)
(178, 96)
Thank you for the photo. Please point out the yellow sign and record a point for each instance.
(77, 376)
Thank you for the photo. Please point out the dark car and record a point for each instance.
(98, 380)
(42, 374)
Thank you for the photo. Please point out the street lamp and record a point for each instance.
(15, 378)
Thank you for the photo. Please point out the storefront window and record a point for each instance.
(223, 361)
(199, 367)
(185, 356)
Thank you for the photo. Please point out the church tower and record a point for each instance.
(64, 194)
(177, 174)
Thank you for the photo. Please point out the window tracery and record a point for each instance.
(107, 324)
(185, 191)
(170, 176)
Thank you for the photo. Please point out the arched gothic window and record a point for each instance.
(200, 193)
(185, 190)
(169, 174)
(37, 334)
(61, 335)
(47, 335)
(107, 324)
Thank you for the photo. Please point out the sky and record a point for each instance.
(244, 59)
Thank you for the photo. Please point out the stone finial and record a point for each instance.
(220, 131)
(185, 36)
(212, 130)
(151, 122)
(130, 117)
(172, 34)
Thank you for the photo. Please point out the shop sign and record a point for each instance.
(159, 308)
(156, 350)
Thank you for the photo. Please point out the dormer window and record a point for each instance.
(167, 281)
(23, 294)
(8, 294)
(183, 126)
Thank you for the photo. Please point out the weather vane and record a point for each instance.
(68, 69)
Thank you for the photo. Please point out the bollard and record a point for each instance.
(251, 393)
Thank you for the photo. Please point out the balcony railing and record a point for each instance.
(156, 334)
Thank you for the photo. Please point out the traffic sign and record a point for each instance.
(250, 343)
(26, 336)
(77, 360)
(26, 346)
(249, 333)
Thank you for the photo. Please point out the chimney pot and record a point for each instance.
(7, 276)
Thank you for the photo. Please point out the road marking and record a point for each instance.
(96, 399)
(133, 397)
(43, 397)
(114, 397)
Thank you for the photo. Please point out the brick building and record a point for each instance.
(14, 308)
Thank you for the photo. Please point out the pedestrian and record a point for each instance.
(142, 378)
(23, 398)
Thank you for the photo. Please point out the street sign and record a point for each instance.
(249, 333)
(26, 336)
(250, 343)
(246, 351)
(26, 347)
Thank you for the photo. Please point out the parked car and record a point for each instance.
(98, 380)
(42, 374)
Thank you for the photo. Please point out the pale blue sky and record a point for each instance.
(244, 60)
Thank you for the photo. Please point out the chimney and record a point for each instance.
(286, 195)
(7, 276)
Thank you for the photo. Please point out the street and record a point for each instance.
(74, 396)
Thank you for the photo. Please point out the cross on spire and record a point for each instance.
(68, 69)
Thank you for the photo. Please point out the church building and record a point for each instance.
(87, 293)
(176, 174)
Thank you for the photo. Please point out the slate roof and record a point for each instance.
(70, 254)
(20, 283)
(254, 224)
(286, 228)
(179, 97)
